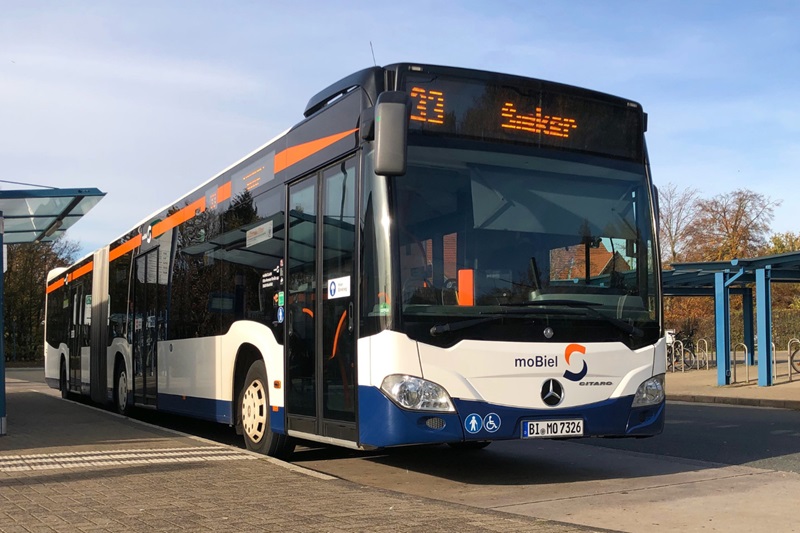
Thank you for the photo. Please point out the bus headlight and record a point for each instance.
(416, 394)
(650, 392)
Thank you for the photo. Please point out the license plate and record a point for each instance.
(537, 429)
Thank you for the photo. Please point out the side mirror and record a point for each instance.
(392, 112)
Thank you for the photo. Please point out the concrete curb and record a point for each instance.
(752, 402)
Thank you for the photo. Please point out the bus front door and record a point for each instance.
(146, 326)
(320, 292)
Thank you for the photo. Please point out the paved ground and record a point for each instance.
(69, 467)
(65, 466)
(701, 386)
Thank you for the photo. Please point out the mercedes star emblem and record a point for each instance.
(552, 392)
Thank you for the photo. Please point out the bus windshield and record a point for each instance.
(490, 243)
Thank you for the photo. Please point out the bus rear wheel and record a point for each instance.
(62, 381)
(121, 390)
(254, 416)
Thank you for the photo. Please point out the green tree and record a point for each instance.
(781, 243)
(784, 295)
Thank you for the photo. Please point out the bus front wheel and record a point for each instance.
(254, 416)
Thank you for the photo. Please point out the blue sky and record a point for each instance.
(147, 99)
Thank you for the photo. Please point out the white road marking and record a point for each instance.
(50, 461)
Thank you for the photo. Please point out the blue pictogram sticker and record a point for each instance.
(280, 315)
(332, 289)
(473, 423)
(491, 422)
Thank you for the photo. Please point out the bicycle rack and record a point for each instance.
(702, 347)
(746, 366)
(669, 356)
(672, 349)
(696, 358)
(774, 364)
(793, 340)
(677, 348)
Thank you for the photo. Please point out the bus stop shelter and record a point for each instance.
(39, 215)
(720, 279)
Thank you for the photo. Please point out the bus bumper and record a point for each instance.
(382, 423)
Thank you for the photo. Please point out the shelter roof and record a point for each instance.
(699, 276)
(43, 214)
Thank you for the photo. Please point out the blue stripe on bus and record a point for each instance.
(204, 408)
(382, 423)
(612, 418)
(277, 420)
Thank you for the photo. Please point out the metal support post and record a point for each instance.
(723, 328)
(747, 317)
(764, 326)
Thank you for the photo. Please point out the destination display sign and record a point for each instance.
(541, 114)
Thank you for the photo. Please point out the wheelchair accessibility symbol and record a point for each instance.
(474, 423)
(491, 422)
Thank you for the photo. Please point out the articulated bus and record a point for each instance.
(431, 255)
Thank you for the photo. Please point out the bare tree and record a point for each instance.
(677, 215)
(24, 295)
(732, 225)
(724, 227)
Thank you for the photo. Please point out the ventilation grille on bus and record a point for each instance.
(435, 423)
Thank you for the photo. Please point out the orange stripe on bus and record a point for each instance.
(176, 219)
(55, 285)
(82, 271)
(124, 248)
(295, 154)
(224, 192)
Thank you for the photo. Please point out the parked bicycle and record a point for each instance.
(684, 352)
(794, 359)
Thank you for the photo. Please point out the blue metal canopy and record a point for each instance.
(720, 279)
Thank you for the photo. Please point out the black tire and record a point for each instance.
(469, 445)
(121, 388)
(689, 359)
(62, 381)
(795, 359)
(254, 414)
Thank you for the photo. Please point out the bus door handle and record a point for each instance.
(290, 325)
(350, 318)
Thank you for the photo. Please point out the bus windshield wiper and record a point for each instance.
(438, 329)
(626, 327)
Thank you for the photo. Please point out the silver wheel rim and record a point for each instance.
(122, 391)
(254, 411)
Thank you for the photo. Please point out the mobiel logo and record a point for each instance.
(540, 361)
(551, 361)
